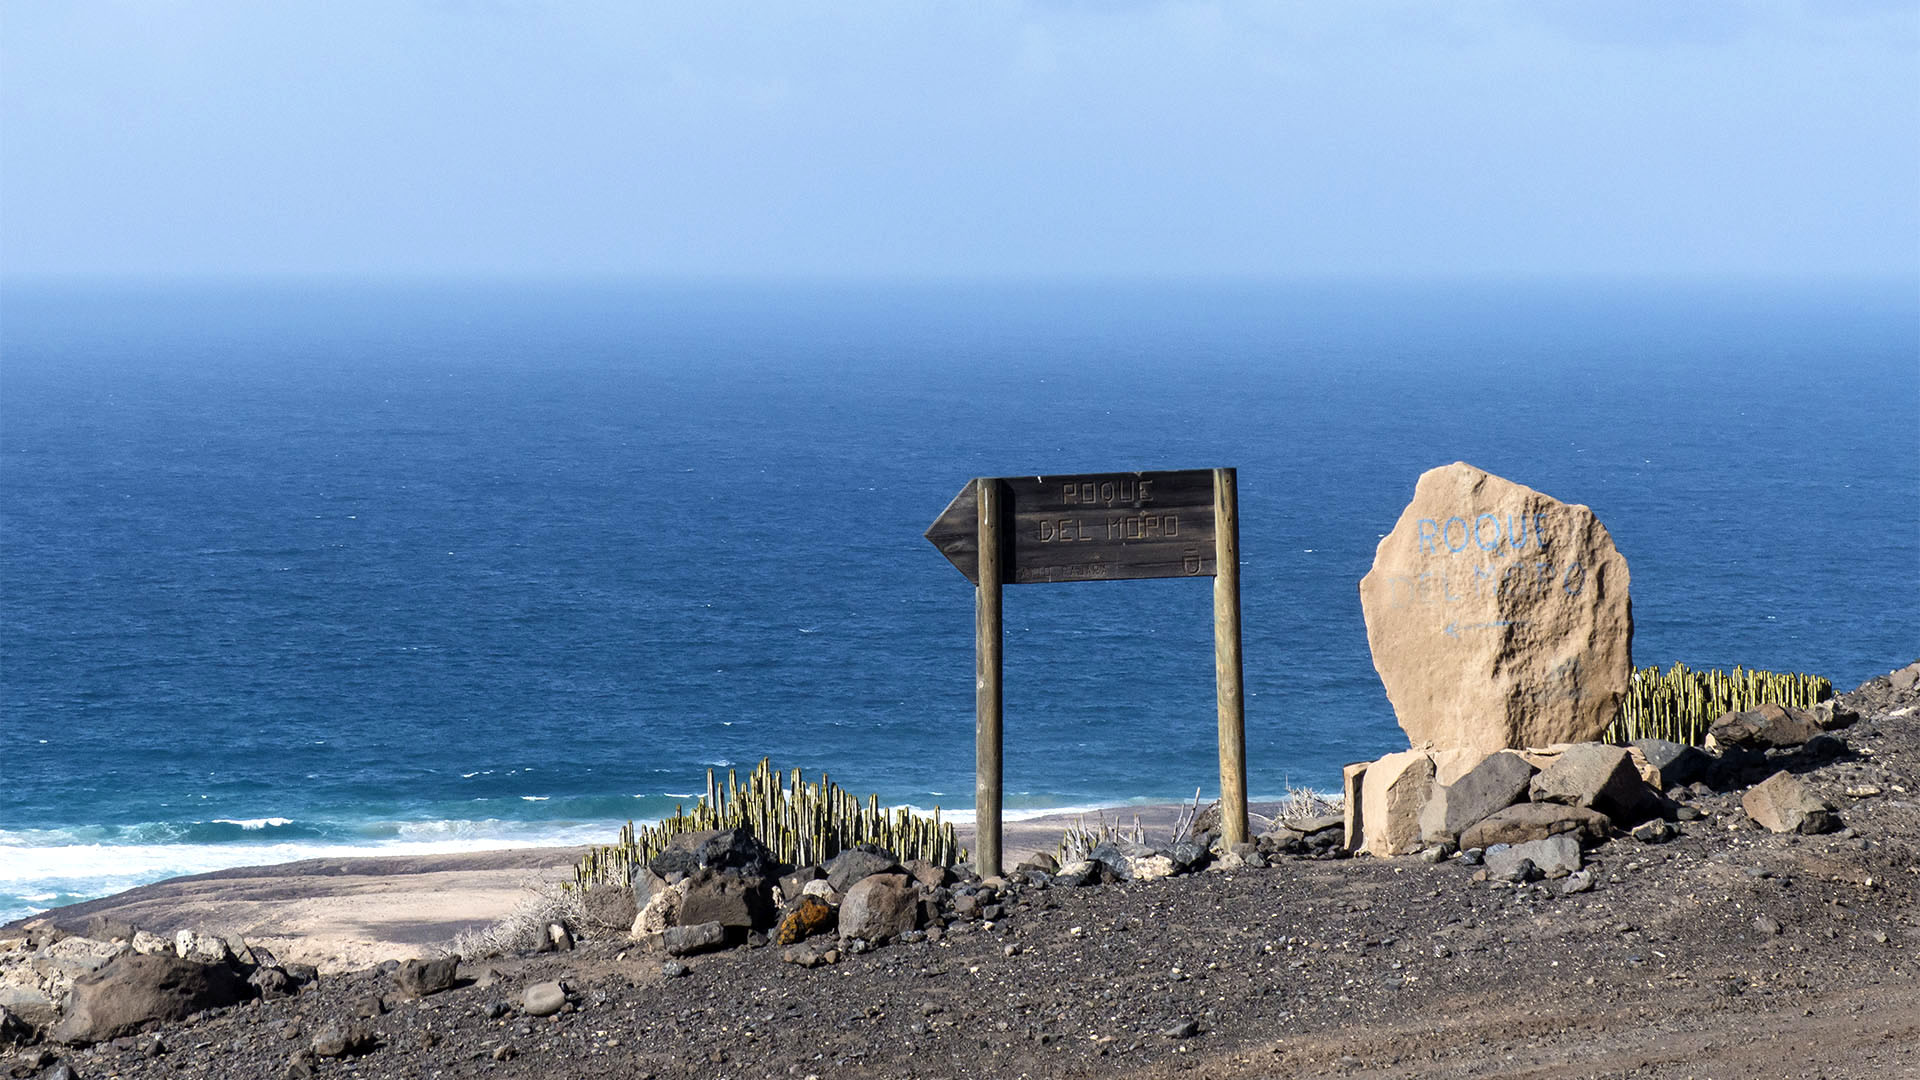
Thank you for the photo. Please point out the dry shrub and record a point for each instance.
(525, 927)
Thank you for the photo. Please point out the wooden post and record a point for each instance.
(986, 673)
(1230, 689)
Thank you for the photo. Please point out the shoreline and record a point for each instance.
(351, 912)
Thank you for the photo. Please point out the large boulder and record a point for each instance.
(1498, 616)
(1496, 783)
(1527, 821)
(137, 990)
(1393, 792)
(879, 907)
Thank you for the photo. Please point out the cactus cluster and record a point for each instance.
(1679, 703)
(799, 822)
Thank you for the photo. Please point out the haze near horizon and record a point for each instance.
(1036, 139)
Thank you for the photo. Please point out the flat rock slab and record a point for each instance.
(1522, 822)
(1498, 616)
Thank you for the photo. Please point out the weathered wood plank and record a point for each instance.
(1091, 527)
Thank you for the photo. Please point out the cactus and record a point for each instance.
(1679, 704)
(799, 822)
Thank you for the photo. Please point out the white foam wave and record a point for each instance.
(37, 865)
(252, 824)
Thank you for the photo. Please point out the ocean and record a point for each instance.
(301, 568)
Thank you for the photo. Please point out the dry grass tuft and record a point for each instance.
(525, 928)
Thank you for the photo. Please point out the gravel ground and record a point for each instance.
(1726, 952)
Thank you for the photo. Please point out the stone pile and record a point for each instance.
(115, 982)
(720, 889)
(1528, 813)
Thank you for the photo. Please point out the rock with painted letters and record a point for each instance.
(1498, 616)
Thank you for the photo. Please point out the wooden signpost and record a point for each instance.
(1096, 527)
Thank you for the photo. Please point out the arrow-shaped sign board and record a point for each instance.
(1090, 527)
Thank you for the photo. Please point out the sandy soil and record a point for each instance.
(342, 914)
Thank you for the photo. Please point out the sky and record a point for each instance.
(992, 138)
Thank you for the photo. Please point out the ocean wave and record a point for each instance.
(255, 823)
(40, 867)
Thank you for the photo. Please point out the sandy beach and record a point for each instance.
(341, 914)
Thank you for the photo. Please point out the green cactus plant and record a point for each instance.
(799, 822)
(1679, 704)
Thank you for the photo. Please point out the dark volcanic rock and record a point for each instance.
(1598, 777)
(730, 899)
(135, 990)
(419, 978)
(1762, 728)
(687, 940)
(1677, 763)
(848, 867)
(1522, 822)
(272, 982)
(1494, 784)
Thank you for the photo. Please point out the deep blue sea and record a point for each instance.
(301, 568)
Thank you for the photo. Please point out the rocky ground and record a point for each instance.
(1726, 951)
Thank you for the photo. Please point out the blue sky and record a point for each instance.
(1471, 137)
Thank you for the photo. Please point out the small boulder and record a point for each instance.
(1554, 857)
(1598, 777)
(929, 874)
(1078, 873)
(1392, 794)
(696, 938)
(1150, 867)
(609, 907)
(879, 907)
(272, 983)
(661, 910)
(1040, 861)
(1782, 804)
(201, 947)
(814, 952)
(1673, 763)
(543, 999)
(1765, 727)
(147, 943)
(735, 901)
(810, 916)
(1496, 783)
(420, 978)
(339, 1040)
(135, 990)
(1523, 822)
(853, 864)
